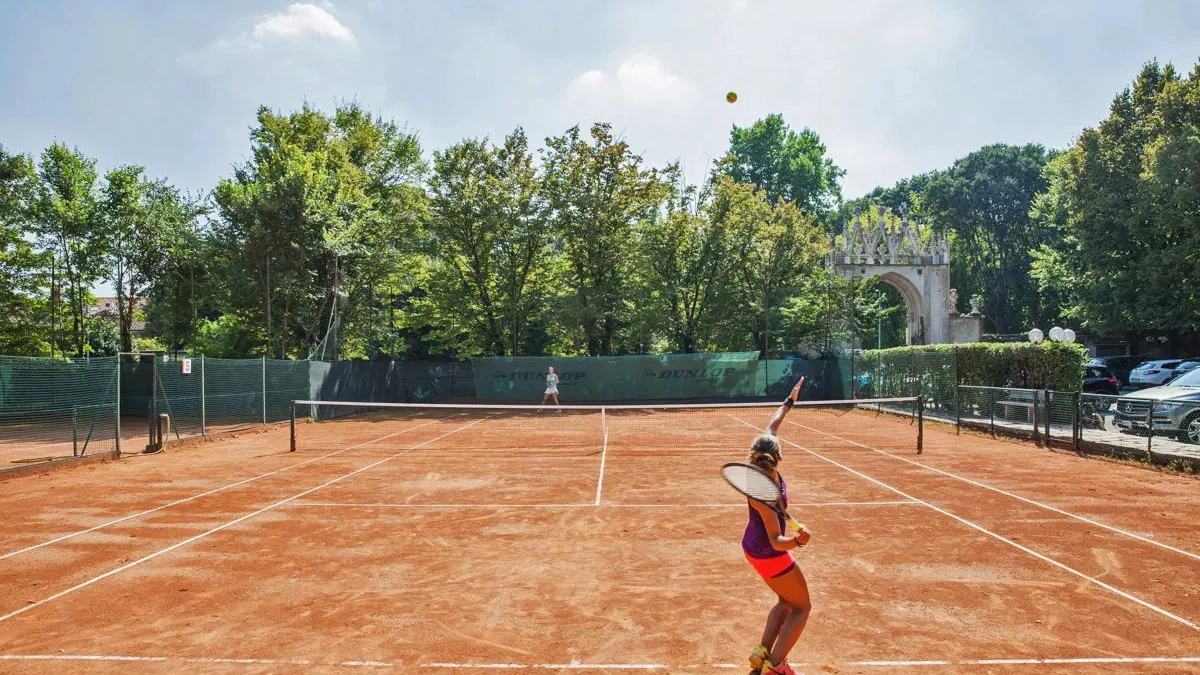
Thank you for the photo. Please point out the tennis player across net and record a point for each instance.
(893, 424)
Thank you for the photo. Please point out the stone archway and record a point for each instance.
(896, 253)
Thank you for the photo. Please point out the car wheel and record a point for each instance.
(1191, 429)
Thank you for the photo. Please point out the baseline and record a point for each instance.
(177, 502)
(1006, 493)
(998, 537)
(223, 526)
(610, 505)
(578, 665)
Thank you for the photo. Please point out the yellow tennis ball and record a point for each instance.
(731, 97)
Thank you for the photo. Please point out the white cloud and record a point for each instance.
(302, 20)
(640, 84)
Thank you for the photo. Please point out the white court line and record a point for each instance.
(976, 483)
(576, 665)
(726, 505)
(603, 455)
(231, 523)
(202, 494)
(989, 533)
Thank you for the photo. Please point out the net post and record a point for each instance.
(203, 401)
(118, 404)
(74, 431)
(292, 430)
(264, 390)
(920, 425)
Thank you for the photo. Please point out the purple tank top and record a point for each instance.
(756, 542)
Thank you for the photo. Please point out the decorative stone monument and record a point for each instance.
(953, 302)
(909, 257)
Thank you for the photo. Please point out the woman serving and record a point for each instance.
(768, 549)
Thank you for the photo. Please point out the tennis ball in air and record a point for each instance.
(731, 97)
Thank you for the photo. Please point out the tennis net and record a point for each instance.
(884, 423)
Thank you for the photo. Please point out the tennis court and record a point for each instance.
(463, 539)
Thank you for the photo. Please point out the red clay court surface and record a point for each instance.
(470, 543)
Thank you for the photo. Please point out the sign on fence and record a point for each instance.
(187, 366)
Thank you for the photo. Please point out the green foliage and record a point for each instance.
(227, 337)
(64, 217)
(489, 244)
(318, 230)
(1126, 199)
(597, 193)
(1048, 365)
(786, 165)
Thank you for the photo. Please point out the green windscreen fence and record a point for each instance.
(54, 409)
(620, 378)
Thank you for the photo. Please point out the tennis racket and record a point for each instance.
(757, 485)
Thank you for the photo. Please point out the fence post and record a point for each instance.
(1048, 396)
(1150, 432)
(992, 412)
(203, 401)
(264, 390)
(920, 425)
(1076, 429)
(1036, 439)
(957, 411)
(292, 425)
(118, 441)
(153, 398)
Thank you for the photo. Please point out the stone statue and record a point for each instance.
(953, 302)
(975, 302)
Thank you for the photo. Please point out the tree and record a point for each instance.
(772, 251)
(684, 260)
(65, 222)
(786, 165)
(489, 244)
(138, 219)
(24, 272)
(596, 195)
(1126, 200)
(318, 223)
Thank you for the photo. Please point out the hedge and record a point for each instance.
(1048, 365)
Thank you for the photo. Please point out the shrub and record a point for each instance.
(1049, 365)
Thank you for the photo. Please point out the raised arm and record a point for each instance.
(777, 418)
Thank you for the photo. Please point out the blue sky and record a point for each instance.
(894, 87)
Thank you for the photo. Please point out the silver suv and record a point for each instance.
(1176, 409)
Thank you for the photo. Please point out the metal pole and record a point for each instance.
(203, 401)
(118, 440)
(957, 411)
(1076, 429)
(1149, 431)
(292, 425)
(1047, 418)
(264, 389)
(920, 425)
(153, 398)
(1036, 440)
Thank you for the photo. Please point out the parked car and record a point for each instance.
(1185, 367)
(1098, 380)
(1153, 373)
(1176, 409)
(1118, 365)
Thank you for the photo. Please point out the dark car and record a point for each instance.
(1098, 380)
(1118, 365)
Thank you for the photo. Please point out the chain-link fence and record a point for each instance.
(53, 409)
